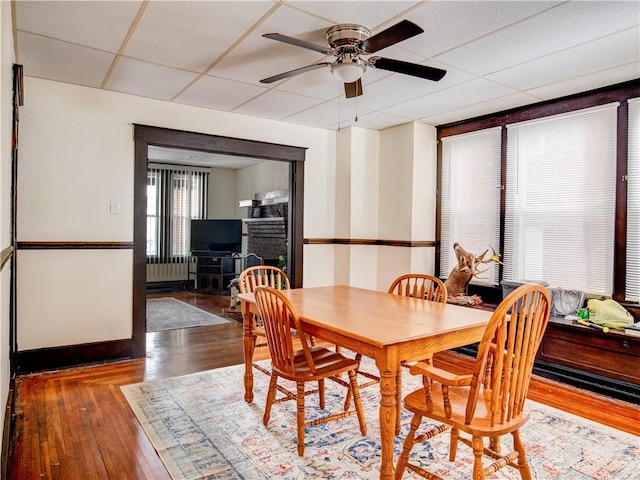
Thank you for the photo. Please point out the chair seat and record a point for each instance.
(481, 423)
(327, 363)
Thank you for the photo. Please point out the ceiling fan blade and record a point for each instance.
(392, 35)
(299, 43)
(413, 69)
(353, 89)
(296, 71)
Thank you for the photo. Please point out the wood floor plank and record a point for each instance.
(76, 423)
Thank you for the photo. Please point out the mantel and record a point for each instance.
(264, 219)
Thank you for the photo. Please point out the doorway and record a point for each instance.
(145, 136)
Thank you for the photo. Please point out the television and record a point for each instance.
(216, 237)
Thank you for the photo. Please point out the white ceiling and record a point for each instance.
(498, 55)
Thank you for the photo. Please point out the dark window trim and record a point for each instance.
(148, 135)
(615, 93)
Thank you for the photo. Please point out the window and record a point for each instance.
(470, 205)
(632, 284)
(560, 200)
(175, 195)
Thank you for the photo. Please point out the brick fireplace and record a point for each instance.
(266, 230)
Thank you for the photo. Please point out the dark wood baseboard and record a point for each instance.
(169, 286)
(43, 359)
(8, 428)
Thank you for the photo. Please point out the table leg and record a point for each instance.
(388, 414)
(249, 346)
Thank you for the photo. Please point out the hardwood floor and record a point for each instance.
(76, 424)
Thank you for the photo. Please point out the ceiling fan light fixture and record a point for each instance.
(348, 72)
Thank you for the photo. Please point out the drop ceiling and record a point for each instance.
(211, 54)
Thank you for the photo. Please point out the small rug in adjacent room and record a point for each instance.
(170, 313)
(202, 428)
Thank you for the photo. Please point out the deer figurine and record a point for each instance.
(466, 269)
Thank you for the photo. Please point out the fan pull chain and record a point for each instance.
(356, 119)
(339, 94)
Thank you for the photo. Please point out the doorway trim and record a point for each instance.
(144, 136)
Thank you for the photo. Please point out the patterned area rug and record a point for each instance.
(170, 313)
(203, 429)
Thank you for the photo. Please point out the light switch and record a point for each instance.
(114, 207)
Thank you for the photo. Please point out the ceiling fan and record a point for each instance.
(348, 42)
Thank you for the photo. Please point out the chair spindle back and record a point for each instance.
(420, 285)
(280, 318)
(263, 275)
(511, 340)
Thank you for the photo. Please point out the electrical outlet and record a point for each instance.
(114, 207)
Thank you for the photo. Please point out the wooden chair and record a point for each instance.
(465, 404)
(420, 285)
(249, 280)
(417, 285)
(309, 364)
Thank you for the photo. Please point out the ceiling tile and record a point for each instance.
(276, 104)
(258, 57)
(102, 25)
(591, 81)
(177, 156)
(558, 28)
(65, 62)
(218, 93)
(147, 79)
(469, 93)
(191, 35)
(397, 88)
(369, 14)
(614, 50)
(449, 24)
(327, 114)
(372, 120)
(479, 109)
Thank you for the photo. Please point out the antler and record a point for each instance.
(495, 257)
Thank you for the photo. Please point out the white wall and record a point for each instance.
(6, 108)
(223, 200)
(77, 155)
(364, 156)
(406, 195)
(262, 177)
(385, 189)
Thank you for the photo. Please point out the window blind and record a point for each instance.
(560, 200)
(470, 200)
(632, 289)
(174, 197)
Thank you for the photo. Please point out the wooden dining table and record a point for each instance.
(386, 327)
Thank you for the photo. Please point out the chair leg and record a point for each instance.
(478, 447)
(353, 380)
(398, 399)
(300, 417)
(523, 465)
(271, 395)
(321, 393)
(347, 401)
(403, 460)
(453, 445)
(494, 444)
